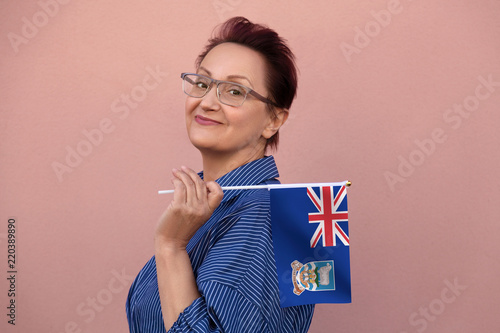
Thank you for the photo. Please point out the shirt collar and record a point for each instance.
(252, 173)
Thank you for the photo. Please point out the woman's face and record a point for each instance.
(214, 127)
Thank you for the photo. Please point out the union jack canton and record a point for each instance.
(328, 215)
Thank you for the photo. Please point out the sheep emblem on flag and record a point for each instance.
(328, 216)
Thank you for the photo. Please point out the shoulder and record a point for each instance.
(249, 214)
(251, 200)
(245, 200)
(240, 238)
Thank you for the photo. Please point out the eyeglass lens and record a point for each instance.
(229, 93)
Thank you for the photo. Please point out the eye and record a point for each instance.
(235, 91)
(201, 84)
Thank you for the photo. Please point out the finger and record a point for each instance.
(201, 187)
(188, 183)
(215, 194)
(179, 189)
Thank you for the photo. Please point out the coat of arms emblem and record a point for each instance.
(313, 276)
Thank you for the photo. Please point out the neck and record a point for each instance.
(216, 165)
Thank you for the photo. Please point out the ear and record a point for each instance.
(276, 120)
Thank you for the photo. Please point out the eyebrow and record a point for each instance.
(234, 76)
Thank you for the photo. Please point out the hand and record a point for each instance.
(193, 203)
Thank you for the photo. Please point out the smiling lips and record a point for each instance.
(205, 121)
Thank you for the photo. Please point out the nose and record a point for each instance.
(210, 100)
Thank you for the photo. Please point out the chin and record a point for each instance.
(201, 142)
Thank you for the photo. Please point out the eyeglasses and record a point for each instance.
(229, 93)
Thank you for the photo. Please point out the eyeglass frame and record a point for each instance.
(217, 82)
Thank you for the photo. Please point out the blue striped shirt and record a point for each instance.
(233, 263)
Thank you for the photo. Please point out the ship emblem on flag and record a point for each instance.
(328, 216)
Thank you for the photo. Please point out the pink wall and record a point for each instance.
(394, 95)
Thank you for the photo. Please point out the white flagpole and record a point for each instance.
(271, 186)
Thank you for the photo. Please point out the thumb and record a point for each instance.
(215, 194)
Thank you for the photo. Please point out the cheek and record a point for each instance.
(250, 121)
(189, 108)
(189, 105)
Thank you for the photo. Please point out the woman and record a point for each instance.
(214, 268)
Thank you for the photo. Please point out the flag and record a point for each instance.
(311, 244)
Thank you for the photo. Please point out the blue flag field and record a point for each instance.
(311, 244)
